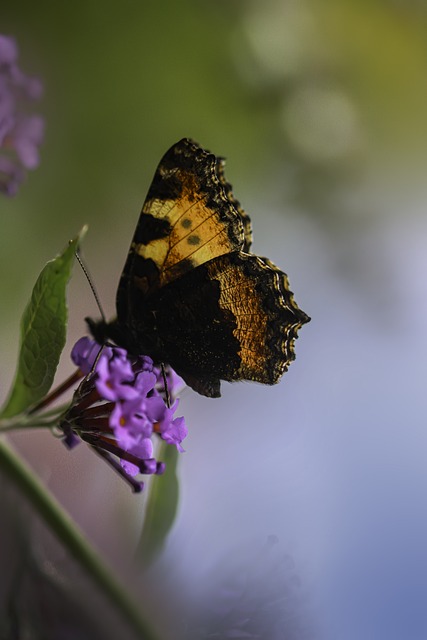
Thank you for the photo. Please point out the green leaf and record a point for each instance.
(43, 333)
(161, 507)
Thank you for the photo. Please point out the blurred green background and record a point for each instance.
(320, 109)
(313, 104)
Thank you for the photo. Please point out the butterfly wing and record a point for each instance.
(190, 294)
(232, 318)
(189, 217)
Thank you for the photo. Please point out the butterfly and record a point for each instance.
(191, 294)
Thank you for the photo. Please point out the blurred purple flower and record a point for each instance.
(21, 133)
(118, 408)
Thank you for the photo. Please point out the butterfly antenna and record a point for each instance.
(92, 286)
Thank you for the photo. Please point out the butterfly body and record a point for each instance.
(191, 293)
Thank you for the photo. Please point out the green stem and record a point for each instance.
(46, 420)
(38, 424)
(72, 538)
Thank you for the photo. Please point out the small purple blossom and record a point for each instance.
(114, 373)
(118, 409)
(21, 132)
(172, 431)
(144, 450)
(84, 354)
(130, 423)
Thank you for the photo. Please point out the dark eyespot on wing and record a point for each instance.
(194, 240)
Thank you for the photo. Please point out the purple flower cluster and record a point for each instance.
(20, 133)
(118, 408)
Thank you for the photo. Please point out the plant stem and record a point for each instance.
(46, 420)
(49, 509)
(53, 395)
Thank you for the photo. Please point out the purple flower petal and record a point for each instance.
(121, 418)
(120, 369)
(84, 354)
(8, 50)
(129, 422)
(175, 433)
(21, 133)
(113, 374)
(149, 466)
(27, 136)
(145, 382)
(172, 431)
(143, 451)
(161, 468)
(155, 408)
(167, 416)
(70, 440)
(129, 467)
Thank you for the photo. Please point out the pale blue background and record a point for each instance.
(320, 108)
